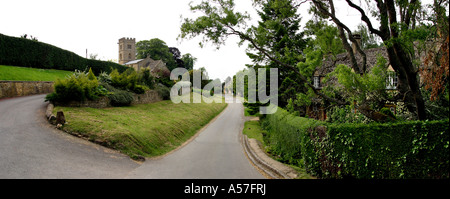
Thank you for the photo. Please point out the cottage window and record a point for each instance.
(391, 81)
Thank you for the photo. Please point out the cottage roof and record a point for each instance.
(328, 64)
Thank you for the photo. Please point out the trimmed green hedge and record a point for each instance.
(287, 134)
(28, 53)
(411, 149)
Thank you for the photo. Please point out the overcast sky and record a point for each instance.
(97, 25)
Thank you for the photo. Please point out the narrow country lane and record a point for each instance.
(216, 153)
(31, 148)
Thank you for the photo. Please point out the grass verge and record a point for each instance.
(14, 73)
(253, 130)
(145, 130)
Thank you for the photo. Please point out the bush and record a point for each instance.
(410, 149)
(139, 89)
(346, 114)
(121, 98)
(131, 80)
(163, 91)
(78, 87)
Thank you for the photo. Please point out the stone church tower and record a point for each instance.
(127, 50)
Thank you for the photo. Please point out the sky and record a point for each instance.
(97, 25)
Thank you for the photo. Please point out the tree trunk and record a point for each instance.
(409, 85)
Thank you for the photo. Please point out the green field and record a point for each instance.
(139, 131)
(15, 73)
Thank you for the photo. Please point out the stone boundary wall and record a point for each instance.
(24, 88)
(150, 96)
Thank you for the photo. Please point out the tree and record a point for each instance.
(324, 37)
(368, 40)
(188, 61)
(279, 29)
(219, 21)
(177, 57)
(157, 50)
(393, 31)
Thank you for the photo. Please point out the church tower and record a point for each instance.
(127, 50)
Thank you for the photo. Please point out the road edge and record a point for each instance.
(270, 167)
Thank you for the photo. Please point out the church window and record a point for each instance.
(129, 46)
(129, 56)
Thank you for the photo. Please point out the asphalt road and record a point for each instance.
(30, 148)
(216, 153)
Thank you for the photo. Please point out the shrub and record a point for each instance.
(131, 80)
(387, 112)
(346, 114)
(163, 91)
(104, 77)
(147, 78)
(77, 87)
(139, 89)
(121, 98)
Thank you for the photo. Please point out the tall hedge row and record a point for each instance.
(28, 53)
(411, 149)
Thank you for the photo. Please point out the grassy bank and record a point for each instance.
(145, 130)
(15, 73)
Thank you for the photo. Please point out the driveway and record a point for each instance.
(31, 148)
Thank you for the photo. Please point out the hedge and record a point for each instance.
(28, 53)
(287, 134)
(411, 149)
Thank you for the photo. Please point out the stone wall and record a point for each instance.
(24, 88)
(150, 96)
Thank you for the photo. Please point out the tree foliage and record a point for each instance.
(400, 26)
(188, 61)
(156, 49)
